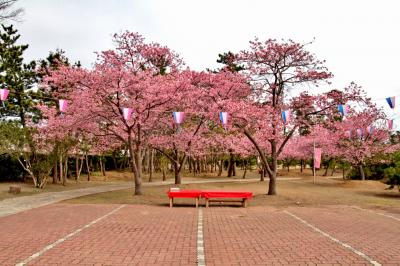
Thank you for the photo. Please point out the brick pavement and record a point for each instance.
(158, 235)
(135, 235)
(370, 233)
(264, 236)
(29, 231)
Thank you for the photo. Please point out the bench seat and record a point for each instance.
(184, 194)
(210, 196)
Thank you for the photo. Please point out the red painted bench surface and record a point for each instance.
(226, 194)
(184, 194)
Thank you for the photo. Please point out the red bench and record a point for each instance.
(218, 195)
(183, 194)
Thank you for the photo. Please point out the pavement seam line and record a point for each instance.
(201, 257)
(379, 213)
(359, 253)
(59, 241)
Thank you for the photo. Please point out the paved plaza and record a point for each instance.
(83, 234)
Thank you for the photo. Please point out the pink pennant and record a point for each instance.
(317, 157)
(4, 94)
(63, 105)
(178, 117)
(390, 124)
(360, 132)
(127, 113)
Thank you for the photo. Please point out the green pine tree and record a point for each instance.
(18, 77)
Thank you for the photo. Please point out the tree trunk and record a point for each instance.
(164, 176)
(273, 174)
(76, 167)
(64, 183)
(103, 164)
(177, 174)
(114, 161)
(301, 166)
(333, 169)
(327, 167)
(55, 172)
(220, 166)
(262, 174)
(151, 165)
(61, 166)
(87, 166)
(146, 161)
(245, 170)
(231, 165)
(362, 174)
(190, 164)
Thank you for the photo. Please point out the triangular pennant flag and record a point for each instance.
(223, 117)
(127, 113)
(343, 109)
(178, 117)
(390, 124)
(4, 94)
(63, 105)
(360, 132)
(391, 101)
(286, 115)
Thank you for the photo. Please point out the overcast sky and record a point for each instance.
(360, 40)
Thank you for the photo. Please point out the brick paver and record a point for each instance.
(135, 235)
(373, 234)
(26, 233)
(262, 236)
(158, 235)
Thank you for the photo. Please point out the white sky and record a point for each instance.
(360, 40)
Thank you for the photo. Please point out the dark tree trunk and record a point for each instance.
(114, 160)
(327, 167)
(151, 165)
(231, 165)
(76, 167)
(164, 177)
(301, 166)
(245, 170)
(220, 167)
(55, 172)
(87, 167)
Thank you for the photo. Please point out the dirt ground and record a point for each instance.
(301, 192)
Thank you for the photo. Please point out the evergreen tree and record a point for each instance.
(17, 76)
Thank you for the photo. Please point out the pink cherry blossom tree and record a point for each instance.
(138, 75)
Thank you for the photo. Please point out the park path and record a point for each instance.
(19, 204)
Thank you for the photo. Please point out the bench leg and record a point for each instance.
(244, 203)
(171, 202)
(207, 203)
(197, 202)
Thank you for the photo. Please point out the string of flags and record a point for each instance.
(178, 117)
